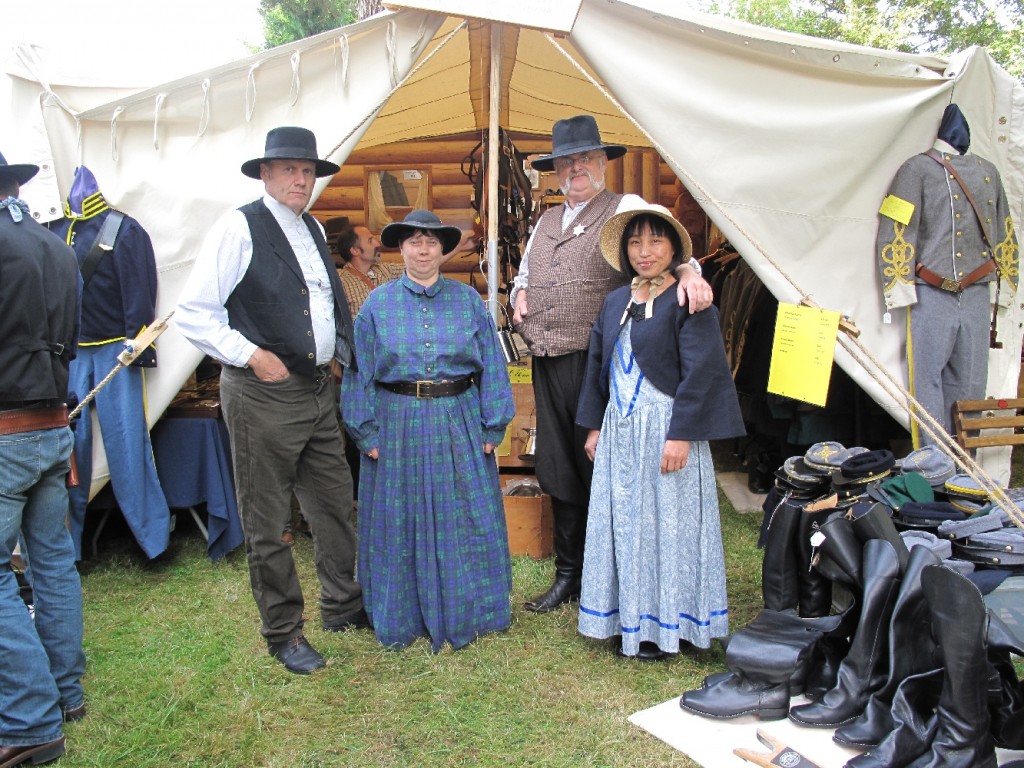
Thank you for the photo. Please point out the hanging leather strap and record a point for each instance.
(934, 155)
(104, 242)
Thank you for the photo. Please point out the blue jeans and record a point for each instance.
(41, 662)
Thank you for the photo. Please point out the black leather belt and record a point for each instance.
(428, 388)
(21, 405)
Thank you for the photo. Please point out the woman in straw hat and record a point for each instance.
(427, 407)
(657, 388)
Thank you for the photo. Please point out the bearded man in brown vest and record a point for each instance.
(561, 285)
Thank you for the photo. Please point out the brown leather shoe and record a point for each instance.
(36, 753)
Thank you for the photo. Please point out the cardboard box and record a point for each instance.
(530, 525)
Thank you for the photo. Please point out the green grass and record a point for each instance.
(178, 675)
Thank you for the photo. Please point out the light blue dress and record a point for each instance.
(654, 565)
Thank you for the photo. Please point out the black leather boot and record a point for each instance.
(959, 622)
(1006, 691)
(864, 669)
(840, 552)
(780, 566)
(570, 522)
(814, 591)
(914, 724)
(911, 650)
(877, 523)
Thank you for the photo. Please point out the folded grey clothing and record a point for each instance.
(919, 538)
(991, 519)
(1004, 540)
(963, 567)
(987, 556)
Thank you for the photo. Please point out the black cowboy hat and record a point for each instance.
(574, 136)
(289, 143)
(20, 173)
(428, 221)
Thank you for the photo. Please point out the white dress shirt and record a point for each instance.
(202, 316)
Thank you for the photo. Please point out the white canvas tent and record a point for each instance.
(788, 142)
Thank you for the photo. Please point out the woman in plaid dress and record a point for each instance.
(427, 406)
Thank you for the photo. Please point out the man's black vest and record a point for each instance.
(270, 306)
(38, 322)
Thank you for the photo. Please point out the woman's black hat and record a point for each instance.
(290, 143)
(20, 173)
(428, 221)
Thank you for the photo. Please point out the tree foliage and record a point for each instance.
(940, 27)
(285, 21)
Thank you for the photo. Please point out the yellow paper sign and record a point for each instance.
(805, 341)
(897, 209)
(520, 374)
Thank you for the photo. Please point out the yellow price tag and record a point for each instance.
(897, 209)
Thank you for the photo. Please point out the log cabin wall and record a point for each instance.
(641, 171)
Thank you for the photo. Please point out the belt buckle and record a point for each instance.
(951, 285)
(418, 383)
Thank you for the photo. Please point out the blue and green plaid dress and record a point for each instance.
(433, 547)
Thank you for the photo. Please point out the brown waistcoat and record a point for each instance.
(568, 278)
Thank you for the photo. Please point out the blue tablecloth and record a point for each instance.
(193, 459)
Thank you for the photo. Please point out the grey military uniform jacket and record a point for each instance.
(926, 218)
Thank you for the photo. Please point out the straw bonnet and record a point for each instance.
(611, 232)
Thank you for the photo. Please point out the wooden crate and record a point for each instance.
(530, 525)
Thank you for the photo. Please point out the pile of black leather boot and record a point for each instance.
(909, 665)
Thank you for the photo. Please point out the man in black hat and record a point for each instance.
(41, 662)
(265, 300)
(561, 285)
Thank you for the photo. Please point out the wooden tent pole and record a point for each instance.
(493, 146)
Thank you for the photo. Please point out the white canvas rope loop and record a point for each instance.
(420, 34)
(250, 91)
(391, 93)
(204, 115)
(342, 52)
(391, 40)
(293, 93)
(157, 106)
(113, 134)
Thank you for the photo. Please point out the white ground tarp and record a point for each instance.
(789, 142)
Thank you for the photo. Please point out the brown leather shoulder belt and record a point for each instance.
(955, 286)
(32, 419)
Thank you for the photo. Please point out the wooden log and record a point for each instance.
(342, 197)
(651, 180)
(357, 218)
(613, 176)
(632, 173)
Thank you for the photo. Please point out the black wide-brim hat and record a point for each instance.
(290, 143)
(20, 173)
(573, 136)
(428, 221)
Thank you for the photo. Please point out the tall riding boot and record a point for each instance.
(779, 568)
(1006, 691)
(570, 534)
(911, 650)
(877, 523)
(959, 623)
(838, 559)
(813, 589)
(865, 668)
(914, 724)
